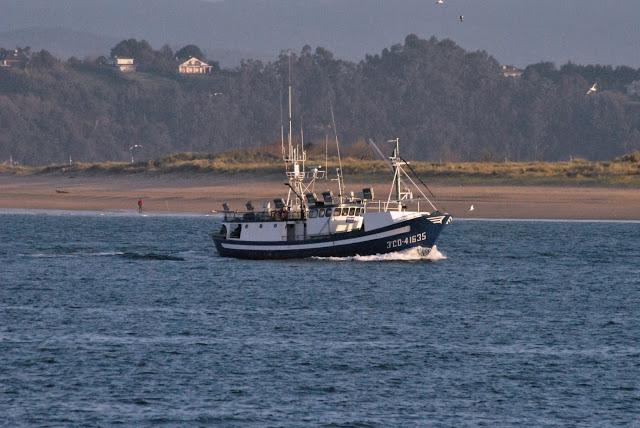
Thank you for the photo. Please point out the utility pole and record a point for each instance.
(132, 149)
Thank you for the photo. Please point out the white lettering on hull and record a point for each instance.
(397, 243)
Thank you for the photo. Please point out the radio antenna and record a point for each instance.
(282, 126)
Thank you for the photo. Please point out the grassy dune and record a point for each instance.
(623, 171)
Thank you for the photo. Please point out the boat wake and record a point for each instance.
(152, 256)
(411, 255)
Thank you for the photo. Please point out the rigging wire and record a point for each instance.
(335, 132)
(415, 174)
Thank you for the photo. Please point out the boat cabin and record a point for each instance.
(285, 224)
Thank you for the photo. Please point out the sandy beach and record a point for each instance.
(173, 193)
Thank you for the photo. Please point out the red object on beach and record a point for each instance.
(139, 204)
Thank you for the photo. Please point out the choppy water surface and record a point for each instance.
(136, 320)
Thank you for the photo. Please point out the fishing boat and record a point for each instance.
(302, 224)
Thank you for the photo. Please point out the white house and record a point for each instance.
(15, 58)
(194, 66)
(511, 71)
(125, 65)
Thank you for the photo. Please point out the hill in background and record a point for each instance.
(445, 103)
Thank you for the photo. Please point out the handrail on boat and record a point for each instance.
(264, 216)
(283, 215)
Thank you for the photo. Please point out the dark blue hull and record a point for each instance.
(418, 232)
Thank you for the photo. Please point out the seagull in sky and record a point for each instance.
(593, 89)
(461, 18)
(439, 1)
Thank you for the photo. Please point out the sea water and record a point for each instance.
(124, 319)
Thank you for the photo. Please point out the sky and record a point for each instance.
(518, 32)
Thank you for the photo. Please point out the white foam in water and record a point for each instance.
(409, 255)
(435, 255)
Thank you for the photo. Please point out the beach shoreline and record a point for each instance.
(204, 194)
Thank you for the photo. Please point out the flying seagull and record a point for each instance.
(593, 89)
(439, 1)
(461, 18)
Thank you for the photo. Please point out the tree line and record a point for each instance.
(444, 103)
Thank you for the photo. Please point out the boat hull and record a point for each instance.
(421, 231)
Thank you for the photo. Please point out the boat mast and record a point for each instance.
(284, 156)
(396, 156)
(301, 133)
(290, 113)
(326, 156)
(296, 156)
(396, 163)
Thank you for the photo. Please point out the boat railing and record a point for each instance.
(262, 216)
(379, 205)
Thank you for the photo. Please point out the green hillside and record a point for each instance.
(445, 104)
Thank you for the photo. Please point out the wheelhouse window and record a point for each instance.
(352, 211)
(337, 212)
(313, 214)
(358, 211)
(345, 212)
(321, 212)
(328, 212)
(236, 230)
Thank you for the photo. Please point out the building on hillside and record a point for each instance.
(14, 58)
(194, 66)
(125, 65)
(511, 71)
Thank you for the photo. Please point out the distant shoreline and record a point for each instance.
(264, 163)
(202, 194)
